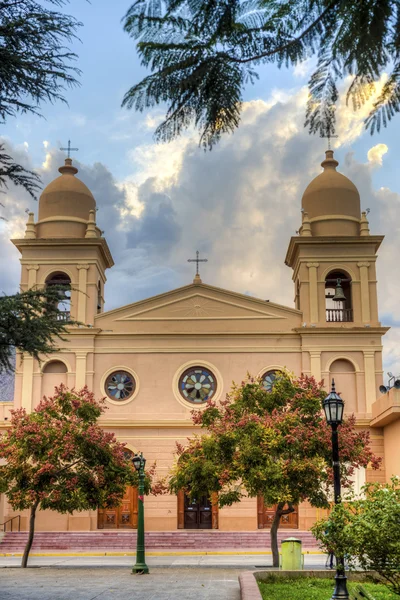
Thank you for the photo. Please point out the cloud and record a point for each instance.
(238, 205)
(376, 153)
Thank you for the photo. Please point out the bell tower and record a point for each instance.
(334, 272)
(65, 247)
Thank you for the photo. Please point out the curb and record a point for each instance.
(249, 589)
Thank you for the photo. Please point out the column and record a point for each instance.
(315, 364)
(32, 275)
(364, 285)
(313, 291)
(80, 377)
(82, 293)
(370, 379)
(27, 383)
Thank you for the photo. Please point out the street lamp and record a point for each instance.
(333, 407)
(140, 567)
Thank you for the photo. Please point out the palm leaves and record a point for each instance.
(201, 54)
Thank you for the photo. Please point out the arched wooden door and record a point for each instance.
(266, 514)
(124, 516)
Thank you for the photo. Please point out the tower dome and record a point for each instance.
(332, 202)
(64, 205)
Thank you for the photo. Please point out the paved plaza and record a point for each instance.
(205, 577)
(163, 583)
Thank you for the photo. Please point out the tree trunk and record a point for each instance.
(274, 535)
(30, 536)
(274, 530)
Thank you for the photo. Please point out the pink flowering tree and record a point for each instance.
(274, 444)
(59, 458)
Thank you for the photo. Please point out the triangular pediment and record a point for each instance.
(200, 303)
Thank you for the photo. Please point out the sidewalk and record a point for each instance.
(222, 560)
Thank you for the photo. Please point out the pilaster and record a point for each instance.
(313, 292)
(82, 292)
(27, 383)
(370, 379)
(315, 364)
(80, 377)
(32, 275)
(364, 283)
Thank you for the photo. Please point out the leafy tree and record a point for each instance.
(31, 322)
(274, 444)
(35, 67)
(202, 53)
(59, 458)
(367, 531)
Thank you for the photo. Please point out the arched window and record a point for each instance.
(55, 366)
(99, 299)
(64, 282)
(338, 302)
(344, 374)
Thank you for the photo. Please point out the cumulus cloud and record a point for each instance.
(376, 153)
(238, 205)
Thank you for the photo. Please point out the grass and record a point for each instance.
(315, 589)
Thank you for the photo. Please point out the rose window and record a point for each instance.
(197, 385)
(120, 385)
(268, 380)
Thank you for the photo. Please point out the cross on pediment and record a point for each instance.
(197, 260)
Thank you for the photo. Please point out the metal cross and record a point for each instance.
(328, 135)
(197, 260)
(69, 149)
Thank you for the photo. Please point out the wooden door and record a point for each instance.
(124, 516)
(265, 516)
(196, 514)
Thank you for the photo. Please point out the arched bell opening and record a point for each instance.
(62, 281)
(338, 298)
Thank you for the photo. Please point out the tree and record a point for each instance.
(275, 444)
(35, 67)
(59, 458)
(367, 530)
(31, 322)
(202, 53)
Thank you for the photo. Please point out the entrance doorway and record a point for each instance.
(265, 516)
(124, 516)
(197, 514)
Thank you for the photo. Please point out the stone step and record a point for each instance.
(174, 540)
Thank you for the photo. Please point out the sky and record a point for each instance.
(238, 204)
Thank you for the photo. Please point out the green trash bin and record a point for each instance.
(291, 555)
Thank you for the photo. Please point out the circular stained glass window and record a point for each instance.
(197, 385)
(268, 380)
(120, 385)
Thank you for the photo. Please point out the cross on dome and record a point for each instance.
(68, 149)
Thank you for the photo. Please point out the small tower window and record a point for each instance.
(338, 302)
(64, 304)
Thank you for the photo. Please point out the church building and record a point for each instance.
(157, 359)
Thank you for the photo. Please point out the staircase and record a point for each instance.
(117, 540)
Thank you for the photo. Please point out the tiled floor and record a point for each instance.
(162, 583)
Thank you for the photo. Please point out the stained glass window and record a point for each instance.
(268, 380)
(197, 385)
(120, 385)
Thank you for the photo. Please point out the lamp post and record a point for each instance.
(333, 407)
(140, 567)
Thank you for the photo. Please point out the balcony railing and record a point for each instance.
(64, 315)
(339, 315)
